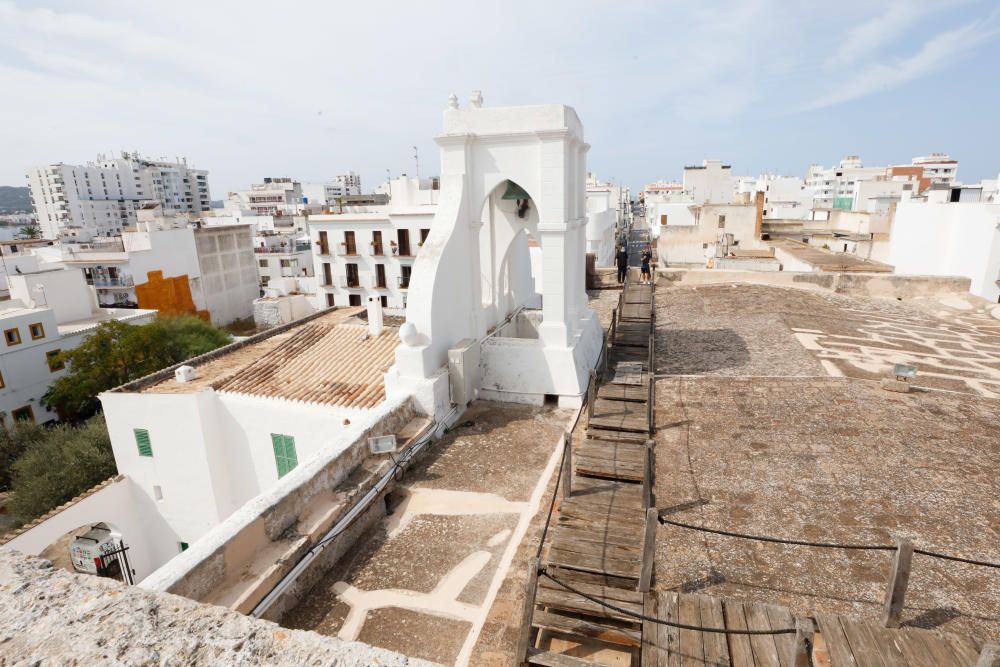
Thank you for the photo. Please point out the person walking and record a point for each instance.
(621, 259)
(647, 276)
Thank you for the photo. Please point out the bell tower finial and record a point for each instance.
(453, 101)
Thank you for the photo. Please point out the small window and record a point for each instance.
(142, 442)
(184, 546)
(284, 453)
(25, 414)
(263, 263)
(704, 246)
(2, 383)
(37, 330)
(157, 492)
(12, 336)
(353, 299)
(722, 222)
(54, 361)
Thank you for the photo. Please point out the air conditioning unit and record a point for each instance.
(185, 374)
(463, 371)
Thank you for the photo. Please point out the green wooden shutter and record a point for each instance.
(142, 442)
(285, 458)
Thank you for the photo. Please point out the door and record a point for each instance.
(350, 247)
(324, 245)
(376, 243)
(354, 299)
(327, 274)
(352, 276)
(380, 275)
(403, 236)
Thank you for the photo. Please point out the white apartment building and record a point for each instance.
(938, 167)
(275, 196)
(101, 198)
(834, 187)
(710, 183)
(51, 310)
(604, 215)
(785, 197)
(943, 238)
(350, 182)
(282, 256)
(369, 250)
(174, 267)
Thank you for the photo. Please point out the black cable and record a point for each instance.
(957, 559)
(660, 621)
(761, 538)
(552, 505)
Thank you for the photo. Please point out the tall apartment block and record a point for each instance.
(100, 198)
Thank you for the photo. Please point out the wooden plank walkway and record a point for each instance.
(598, 539)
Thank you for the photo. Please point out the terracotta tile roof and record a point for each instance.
(338, 365)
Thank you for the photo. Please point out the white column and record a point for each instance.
(553, 330)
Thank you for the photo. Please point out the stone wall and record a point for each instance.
(51, 616)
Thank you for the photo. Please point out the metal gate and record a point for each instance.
(114, 565)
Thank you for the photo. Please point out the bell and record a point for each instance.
(515, 191)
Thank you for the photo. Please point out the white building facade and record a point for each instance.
(101, 198)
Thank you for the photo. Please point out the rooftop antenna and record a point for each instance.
(416, 161)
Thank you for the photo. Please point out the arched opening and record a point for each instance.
(509, 226)
(97, 549)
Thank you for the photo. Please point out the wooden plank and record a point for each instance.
(524, 639)
(836, 641)
(864, 648)
(635, 393)
(571, 602)
(692, 644)
(913, 650)
(712, 616)
(549, 659)
(990, 655)
(669, 637)
(567, 477)
(764, 648)
(938, 649)
(648, 549)
(630, 597)
(899, 577)
(595, 548)
(781, 617)
(887, 643)
(630, 542)
(606, 634)
(650, 648)
(594, 564)
(964, 647)
(740, 649)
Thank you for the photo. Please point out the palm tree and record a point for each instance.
(30, 231)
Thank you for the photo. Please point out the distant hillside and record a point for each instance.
(14, 199)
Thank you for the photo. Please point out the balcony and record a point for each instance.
(113, 283)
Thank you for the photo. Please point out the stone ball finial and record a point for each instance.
(477, 99)
(409, 335)
(453, 101)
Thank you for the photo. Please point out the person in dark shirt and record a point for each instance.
(647, 256)
(621, 259)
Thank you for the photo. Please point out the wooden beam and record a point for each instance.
(614, 325)
(899, 577)
(591, 393)
(648, 551)
(990, 656)
(524, 640)
(800, 651)
(647, 477)
(567, 476)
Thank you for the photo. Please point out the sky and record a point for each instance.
(311, 89)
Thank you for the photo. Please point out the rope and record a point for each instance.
(776, 540)
(957, 559)
(552, 505)
(660, 621)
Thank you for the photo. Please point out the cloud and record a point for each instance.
(937, 53)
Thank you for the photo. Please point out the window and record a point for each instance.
(380, 275)
(722, 222)
(385, 301)
(284, 453)
(55, 363)
(12, 336)
(327, 274)
(329, 301)
(404, 279)
(663, 219)
(2, 384)
(424, 233)
(403, 236)
(37, 330)
(324, 246)
(350, 246)
(142, 442)
(354, 299)
(352, 276)
(286, 263)
(263, 263)
(264, 280)
(184, 546)
(24, 414)
(376, 243)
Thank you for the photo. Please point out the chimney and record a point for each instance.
(374, 316)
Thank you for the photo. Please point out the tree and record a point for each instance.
(14, 441)
(30, 231)
(62, 463)
(117, 353)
